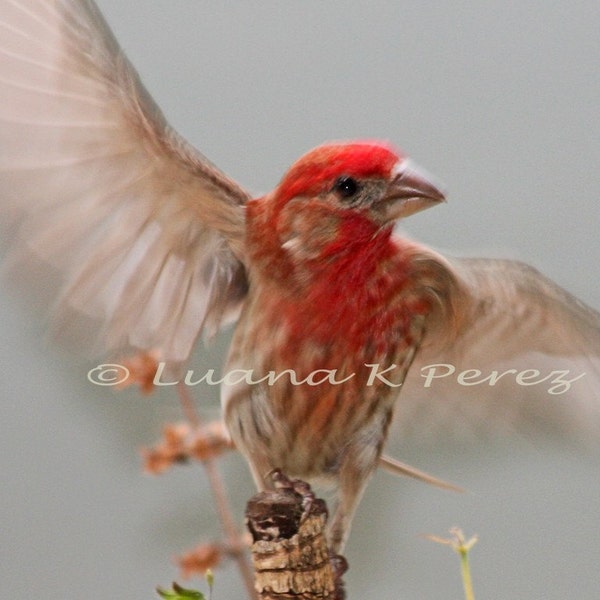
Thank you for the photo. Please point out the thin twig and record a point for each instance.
(221, 500)
(187, 405)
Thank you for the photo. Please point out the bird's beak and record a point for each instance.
(412, 189)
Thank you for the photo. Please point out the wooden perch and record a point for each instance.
(289, 551)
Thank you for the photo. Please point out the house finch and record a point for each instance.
(332, 306)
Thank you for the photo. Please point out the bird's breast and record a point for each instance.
(327, 364)
(336, 310)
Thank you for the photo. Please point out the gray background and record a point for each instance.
(498, 99)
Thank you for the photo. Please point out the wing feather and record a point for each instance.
(147, 233)
(517, 335)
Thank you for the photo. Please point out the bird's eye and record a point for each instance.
(346, 186)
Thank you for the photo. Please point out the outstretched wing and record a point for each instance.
(146, 231)
(522, 352)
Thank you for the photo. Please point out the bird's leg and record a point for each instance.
(357, 465)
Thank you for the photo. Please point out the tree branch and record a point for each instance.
(290, 553)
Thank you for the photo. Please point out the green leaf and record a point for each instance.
(179, 593)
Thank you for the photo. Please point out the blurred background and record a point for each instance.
(498, 99)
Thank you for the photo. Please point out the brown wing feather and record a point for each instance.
(147, 233)
(522, 353)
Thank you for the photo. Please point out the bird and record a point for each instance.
(341, 324)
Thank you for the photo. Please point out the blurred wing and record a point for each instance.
(524, 354)
(146, 231)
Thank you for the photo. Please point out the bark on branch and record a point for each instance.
(289, 551)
